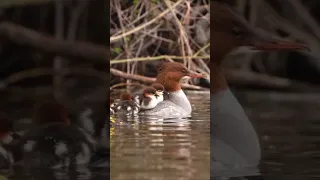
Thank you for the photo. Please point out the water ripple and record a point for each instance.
(154, 148)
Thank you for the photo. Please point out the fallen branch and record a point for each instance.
(13, 3)
(246, 78)
(126, 84)
(36, 72)
(132, 76)
(27, 37)
(148, 79)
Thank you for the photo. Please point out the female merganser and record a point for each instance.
(160, 91)
(176, 103)
(126, 106)
(235, 145)
(55, 143)
(148, 99)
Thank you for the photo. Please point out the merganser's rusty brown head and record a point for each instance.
(229, 31)
(50, 111)
(149, 92)
(170, 74)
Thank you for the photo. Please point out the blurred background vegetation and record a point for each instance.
(144, 33)
(287, 122)
(55, 48)
(285, 20)
(143, 28)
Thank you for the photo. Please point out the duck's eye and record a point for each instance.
(238, 32)
(184, 71)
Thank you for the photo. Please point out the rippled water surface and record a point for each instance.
(20, 110)
(289, 130)
(288, 126)
(145, 148)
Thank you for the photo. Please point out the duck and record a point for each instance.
(138, 91)
(148, 99)
(55, 142)
(175, 103)
(126, 105)
(235, 146)
(160, 91)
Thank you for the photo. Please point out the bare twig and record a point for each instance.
(156, 58)
(117, 38)
(183, 35)
(36, 72)
(126, 84)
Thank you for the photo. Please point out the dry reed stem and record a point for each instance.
(156, 58)
(117, 38)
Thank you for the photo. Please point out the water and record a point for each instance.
(20, 108)
(289, 130)
(288, 126)
(145, 148)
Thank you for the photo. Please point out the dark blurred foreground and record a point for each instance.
(58, 49)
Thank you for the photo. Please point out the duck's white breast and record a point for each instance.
(234, 141)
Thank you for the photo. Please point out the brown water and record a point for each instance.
(145, 148)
